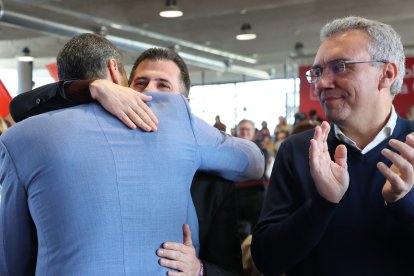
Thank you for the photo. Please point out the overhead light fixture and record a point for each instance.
(172, 10)
(26, 55)
(246, 32)
(60, 29)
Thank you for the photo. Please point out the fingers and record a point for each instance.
(400, 176)
(395, 181)
(400, 171)
(171, 264)
(126, 120)
(325, 129)
(178, 256)
(313, 153)
(145, 97)
(126, 104)
(400, 162)
(150, 117)
(142, 118)
(187, 235)
(171, 258)
(340, 156)
(318, 144)
(404, 149)
(175, 273)
(321, 132)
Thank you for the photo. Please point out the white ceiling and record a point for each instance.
(279, 25)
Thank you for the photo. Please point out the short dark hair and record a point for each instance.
(86, 56)
(159, 54)
(312, 112)
(246, 121)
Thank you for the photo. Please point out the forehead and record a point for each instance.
(165, 69)
(350, 45)
(246, 125)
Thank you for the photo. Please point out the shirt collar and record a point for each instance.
(383, 134)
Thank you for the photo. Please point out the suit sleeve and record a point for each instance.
(18, 242)
(223, 253)
(219, 243)
(230, 157)
(50, 97)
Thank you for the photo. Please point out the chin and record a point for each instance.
(331, 115)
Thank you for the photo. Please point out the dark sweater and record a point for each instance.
(301, 233)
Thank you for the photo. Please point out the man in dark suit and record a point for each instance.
(157, 70)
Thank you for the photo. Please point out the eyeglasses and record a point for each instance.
(335, 66)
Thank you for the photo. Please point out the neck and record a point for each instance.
(363, 132)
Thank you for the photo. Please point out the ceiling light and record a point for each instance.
(26, 55)
(171, 10)
(246, 32)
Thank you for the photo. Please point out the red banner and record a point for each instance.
(309, 100)
(52, 68)
(5, 100)
(406, 97)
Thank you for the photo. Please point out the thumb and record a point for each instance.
(187, 235)
(340, 156)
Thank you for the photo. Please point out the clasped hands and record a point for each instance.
(331, 176)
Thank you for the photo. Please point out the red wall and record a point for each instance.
(5, 100)
(309, 100)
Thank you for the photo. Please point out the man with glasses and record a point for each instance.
(340, 200)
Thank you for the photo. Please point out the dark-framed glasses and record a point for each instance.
(335, 66)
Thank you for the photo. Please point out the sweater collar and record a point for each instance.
(383, 134)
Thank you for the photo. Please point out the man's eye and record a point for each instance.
(338, 67)
(317, 71)
(164, 85)
(139, 83)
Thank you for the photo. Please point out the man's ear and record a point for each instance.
(115, 72)
(388, 75)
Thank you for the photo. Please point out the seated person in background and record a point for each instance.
(219, 125)
(314, 118)
(249, 194)
(158, 70)
(281, 126)
(299, 118)
(303, 126)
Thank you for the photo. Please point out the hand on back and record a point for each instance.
(125, 103)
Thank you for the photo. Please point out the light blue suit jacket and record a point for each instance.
(84, 195)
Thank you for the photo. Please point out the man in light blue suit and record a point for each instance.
(82, 194)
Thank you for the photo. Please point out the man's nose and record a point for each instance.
(326, 80)
(151, 87)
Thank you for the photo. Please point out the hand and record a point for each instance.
(124, 103)
(331, 178)
(180, 256)
(400, 177)
(9, 119)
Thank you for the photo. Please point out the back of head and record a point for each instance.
(385, 43)
(164, 54)
(86, 56)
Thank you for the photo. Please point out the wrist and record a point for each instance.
(201, 270)
(94, 89)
